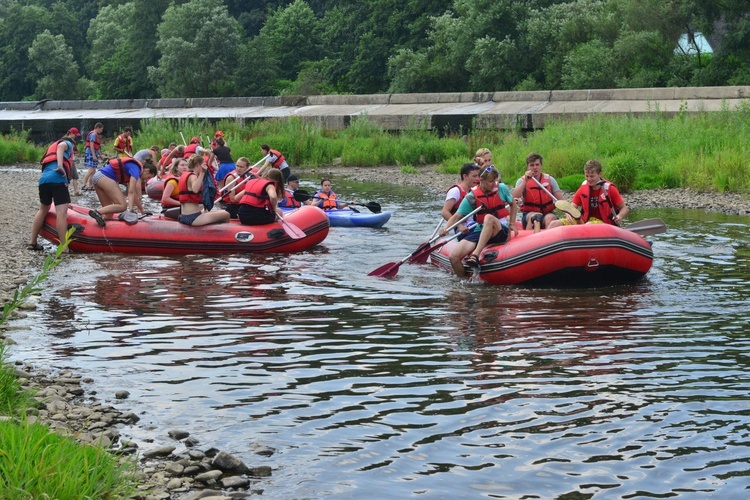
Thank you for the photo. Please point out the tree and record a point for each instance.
(57, 71)
(198, 42)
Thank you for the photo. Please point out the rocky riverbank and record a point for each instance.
(196, 471)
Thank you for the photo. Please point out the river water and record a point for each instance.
(424, 385)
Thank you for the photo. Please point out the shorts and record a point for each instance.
(97, 177)
(525, 216)
(286, 172)
(73, 172)
(254, 216)
(54, 192)
(89, 161)
(500, 237)
(188, 219)
(232, 209)
(224, 169)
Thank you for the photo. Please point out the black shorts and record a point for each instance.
(254, 216)
(54, 192)
(500, 237)
(538, 215)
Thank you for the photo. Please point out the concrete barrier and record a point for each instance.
(526, 110)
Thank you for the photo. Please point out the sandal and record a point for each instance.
(473, 261)
(35, 246)
(94, 214)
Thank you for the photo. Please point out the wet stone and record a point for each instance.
(234, 482)
(162, 451)
(122, 394)
(211, 475)
(178, 434)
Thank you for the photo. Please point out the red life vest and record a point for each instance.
(126, 143)
(329, 200)
(187, 196)
(256, 195)
(462, 194)
(233, 174)
(175, 194)
(163, 160)
(118, 166)
(534, 197)
(604, 209)
(279, 158)
(95, 144)
(491, 203)
(51, 155)
(189, 150)
(290, 201)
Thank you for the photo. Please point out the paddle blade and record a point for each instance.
(293, 231)
(417, 255)
(386, 270)
(373, 207)
(647, 227)
(422, 257)
(301, 195)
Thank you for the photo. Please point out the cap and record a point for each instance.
(195, 140)
(74, 131)
(165, 152)
(219, 133)
(292, 178)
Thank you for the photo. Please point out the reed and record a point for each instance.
(698, 150)
(15, 148)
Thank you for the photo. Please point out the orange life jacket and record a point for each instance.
(329, 200)
(126, 143)
(225, 198)
(534, 197)
(51, 155)
(189, 150)
(187, 196)
(175, 194)
(491, 204)
(604, 210)
(256, 194)
(289, 200)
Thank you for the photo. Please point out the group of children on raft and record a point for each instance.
(495, 206)
(255, 195)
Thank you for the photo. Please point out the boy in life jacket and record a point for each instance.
(288, 201)
(494, 221)
(597, 199)
(91, 155)
(534, 189)
(124, 143)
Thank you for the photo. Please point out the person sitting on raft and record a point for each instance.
(170, 197)
(260, 196)
(232, 196)
(126, 171)
(288, 201)
(494, 221)
(325, 198)
(535, 188)
(166, 161)
(191, 196)
(469, 176)
(597, 199)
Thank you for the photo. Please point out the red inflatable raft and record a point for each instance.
(158, 235)
(155, 188)
(583, 255)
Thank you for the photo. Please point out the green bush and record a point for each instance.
(622, 169)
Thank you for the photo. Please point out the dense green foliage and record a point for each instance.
(107, 49)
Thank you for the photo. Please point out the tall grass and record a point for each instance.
(703, 151)
(34, 461)
(15, 148)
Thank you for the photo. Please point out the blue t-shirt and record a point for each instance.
(131, 168)
(49, 175)
(467, 204)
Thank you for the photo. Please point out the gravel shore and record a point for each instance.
(165, 475)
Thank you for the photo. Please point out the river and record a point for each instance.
(424, 385)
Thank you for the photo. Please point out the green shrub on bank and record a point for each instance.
(704, 151)
(15, 148)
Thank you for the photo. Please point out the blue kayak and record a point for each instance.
(349, 218)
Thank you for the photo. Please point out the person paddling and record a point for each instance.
(325, 198)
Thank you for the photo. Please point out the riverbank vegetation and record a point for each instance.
(700, 151)
(101, 49)
(36, 462)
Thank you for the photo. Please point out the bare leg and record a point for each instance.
(36, 226)
(460, 251)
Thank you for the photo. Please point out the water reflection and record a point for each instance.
(424, 384)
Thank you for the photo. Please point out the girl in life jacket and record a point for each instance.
(260, 196)
(171, 195)
(191, 196)
(494, 220)
(234, 180)
(127, 172)
(325, 198)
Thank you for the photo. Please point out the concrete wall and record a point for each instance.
(442, 111)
